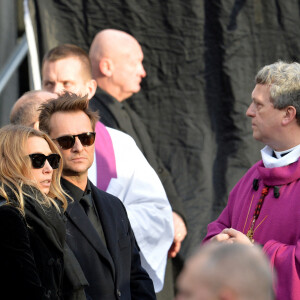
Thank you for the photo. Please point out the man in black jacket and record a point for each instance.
(98, 229)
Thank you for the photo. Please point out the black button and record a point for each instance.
(119, 293)
(48, 294)
(58, 262)
(51, 261)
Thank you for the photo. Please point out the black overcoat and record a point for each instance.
(31, 250)
(115, 271)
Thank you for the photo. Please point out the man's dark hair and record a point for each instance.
(67, 102)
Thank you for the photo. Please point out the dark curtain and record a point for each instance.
(201, 58)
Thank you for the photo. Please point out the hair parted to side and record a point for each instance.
(69, 50)
(284, 81)
(15, 166)
(67, 102)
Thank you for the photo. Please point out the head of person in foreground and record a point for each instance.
(226, 272)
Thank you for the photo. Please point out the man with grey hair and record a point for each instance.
(25, 110)
(227, 272)
(264, 206)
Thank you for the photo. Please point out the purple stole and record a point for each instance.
(105, 157)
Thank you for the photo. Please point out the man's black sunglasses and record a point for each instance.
(67, 141)
(38, 160)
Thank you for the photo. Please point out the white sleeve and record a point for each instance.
(92, 172)
(139, 188)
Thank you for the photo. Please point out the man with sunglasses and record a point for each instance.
(99, 232)
(119, 167)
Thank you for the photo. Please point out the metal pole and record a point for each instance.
(13, 62)
(33, 54)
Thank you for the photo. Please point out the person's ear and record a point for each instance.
(106, 66)
(289, 115)
(36, 125)
(91, 88)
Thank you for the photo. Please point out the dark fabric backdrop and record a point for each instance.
(201, 58)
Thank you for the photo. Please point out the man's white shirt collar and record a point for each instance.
(274, 162)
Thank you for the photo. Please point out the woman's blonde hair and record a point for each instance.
(15, 166)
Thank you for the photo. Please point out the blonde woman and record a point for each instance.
(32, 230)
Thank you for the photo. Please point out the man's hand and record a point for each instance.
(180, 232)
(230, 235)
(236, 236)
(221, 237)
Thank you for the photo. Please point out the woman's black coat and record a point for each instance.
(31, 251)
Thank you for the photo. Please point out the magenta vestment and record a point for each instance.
(277, 228)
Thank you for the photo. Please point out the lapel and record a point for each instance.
(141, 133)
(75, 213)
(108, 111)
(124, 119)
(111, 236)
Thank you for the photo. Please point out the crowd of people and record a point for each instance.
(88, 210)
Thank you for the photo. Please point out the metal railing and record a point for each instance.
(13, 62)
(26, 46)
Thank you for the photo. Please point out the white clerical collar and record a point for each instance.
(279, 161)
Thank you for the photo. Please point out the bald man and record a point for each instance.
(25, 110)
(117, 68)
(226, 272)
(117, 63)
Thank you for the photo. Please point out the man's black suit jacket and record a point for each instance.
(120, 116)
(115, 271)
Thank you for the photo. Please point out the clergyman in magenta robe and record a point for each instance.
(264, 206)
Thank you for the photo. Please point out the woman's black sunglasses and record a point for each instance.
(67, 141)
(38, 160)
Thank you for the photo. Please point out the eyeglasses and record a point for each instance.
(38, 160)
(67, 141)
